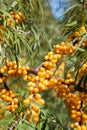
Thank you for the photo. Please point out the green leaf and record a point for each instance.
(41, 9)
(71, 24)
(69, 9)
(47, 127)
(80, 43)
(19, 127)
(8, 119)
(14, 4)
(80, 49)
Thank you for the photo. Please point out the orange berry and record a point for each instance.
(1, 80)
(82, 29)
(25, 78)
(41, 101)
(78, 119)
(9, 107)
(36, 90)
(76, 34)
(46, 57)
(15, 100)
(78, 113)
(20, 13)
(71, 126)
(68, 76)
(12, 12)
(35, 108)
(24, 72)
(15, 106)
(10, 92)
(37, 96)
(28, 77)
(5, 67)
(84, 116)
(2, 70)
(9, 20)
(16, 16)
(58, 56)
(3, 96)
(30, 97)
(12, 95)
(19, 71)
(83, 127)
(26, 101)
(79, 128)
(3, 91)
(7, 98)
(28, 112)
(17, 21)
(11, 24)
(13, 109)
(73, 116)
(36, 119)
(31, 89)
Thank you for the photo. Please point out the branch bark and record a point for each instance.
(35, 70)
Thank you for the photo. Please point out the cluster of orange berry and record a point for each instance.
(74, 100)
(77, 36)
(64, 87)
(7, 70)
(73, 41)
(76, 105)
(33, 111)
(18, 17)
(51, 59)
(64, 48)
(15, 70)
(9, 96)
(39, 82)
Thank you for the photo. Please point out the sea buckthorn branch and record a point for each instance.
(42, 78)
(35, 70)
(45, 78)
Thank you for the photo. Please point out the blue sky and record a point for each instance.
(57, 7)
